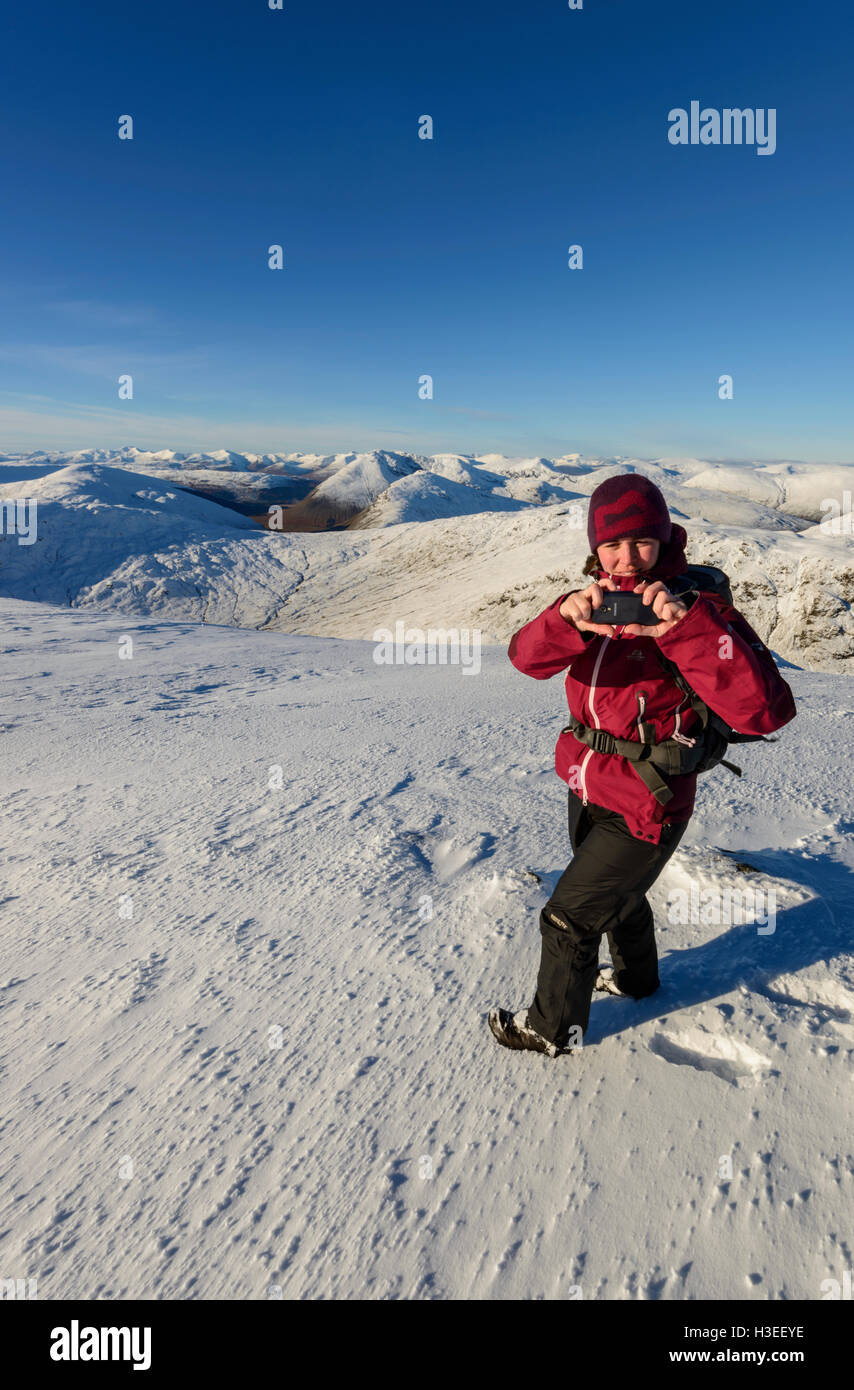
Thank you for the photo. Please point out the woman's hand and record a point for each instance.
(579, 607)
(669, 609)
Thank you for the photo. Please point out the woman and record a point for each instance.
(622, 830)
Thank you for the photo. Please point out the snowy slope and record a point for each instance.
(87, 491)
(236, 486)
(163, 1139)
(424, 496)
(353, 487)
(527, 480)
(792, 487)
(95, 521)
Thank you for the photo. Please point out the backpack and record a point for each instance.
(716, 733)
(680, 754)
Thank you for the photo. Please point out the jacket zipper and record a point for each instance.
(593, 716)
(678, 735)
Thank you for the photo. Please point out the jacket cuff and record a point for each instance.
(699, 613)
(561, 628)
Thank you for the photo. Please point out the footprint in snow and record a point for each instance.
(826, 993)
(830, 1002)
(729, 1058)
(450, 856)
(447, 858)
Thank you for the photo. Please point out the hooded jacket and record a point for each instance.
(613, 682)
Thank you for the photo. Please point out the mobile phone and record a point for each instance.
(624, 608)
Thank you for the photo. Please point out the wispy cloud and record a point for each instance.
(99, 311)
(99, 360)
(30, 422)
(478, 414)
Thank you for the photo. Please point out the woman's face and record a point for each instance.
(626, 556)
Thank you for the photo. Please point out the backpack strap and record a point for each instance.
(669, 755)
(706, 715)
(700, 708)
(701, 579)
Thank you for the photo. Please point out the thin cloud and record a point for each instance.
(478, 414)
(121, 315)
(33, 422)
(98, 360)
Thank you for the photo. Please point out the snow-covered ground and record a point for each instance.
(244, 1008)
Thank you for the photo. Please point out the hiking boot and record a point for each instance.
(512, 1030)
(606, 983)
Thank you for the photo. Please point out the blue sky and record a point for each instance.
(406, 256)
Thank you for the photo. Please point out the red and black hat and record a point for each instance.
(628, 505)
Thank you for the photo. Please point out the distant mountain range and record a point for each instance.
(439, 540)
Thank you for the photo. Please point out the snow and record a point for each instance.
(261, 892)
(373, 907)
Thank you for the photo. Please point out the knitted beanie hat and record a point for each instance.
(627, 505)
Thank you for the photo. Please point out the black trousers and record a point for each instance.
(603, 890)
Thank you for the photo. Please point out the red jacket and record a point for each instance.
(605, 675)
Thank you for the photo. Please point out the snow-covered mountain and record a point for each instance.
(95, 521)
(442, 540)
(350, 490)
(424, 496)
(142, 460)
(790, 487)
